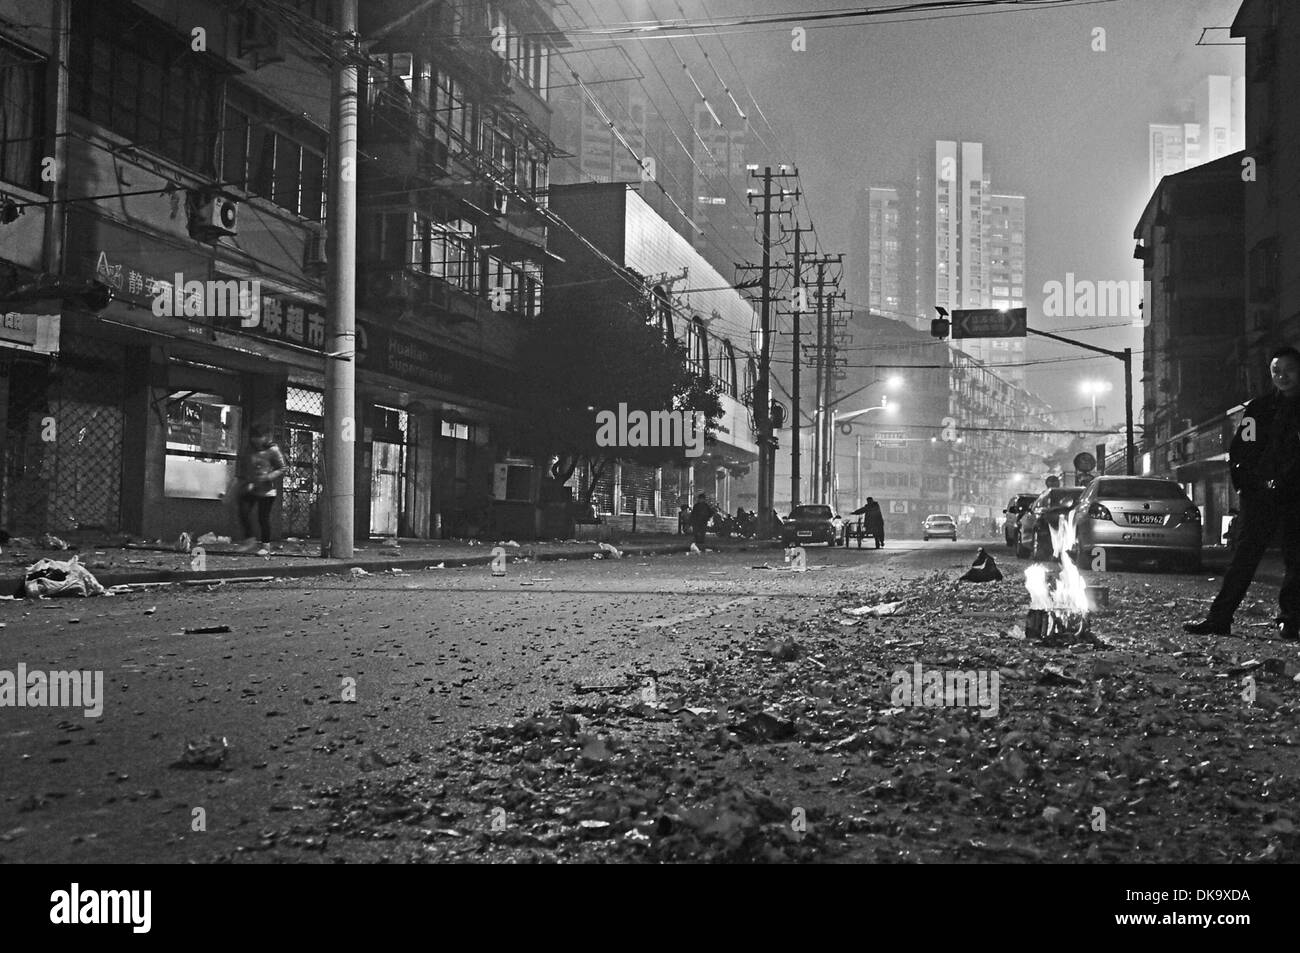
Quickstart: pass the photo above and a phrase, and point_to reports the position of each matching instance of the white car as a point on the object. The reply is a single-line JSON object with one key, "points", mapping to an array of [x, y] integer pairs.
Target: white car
{"points": [[939, 524]]}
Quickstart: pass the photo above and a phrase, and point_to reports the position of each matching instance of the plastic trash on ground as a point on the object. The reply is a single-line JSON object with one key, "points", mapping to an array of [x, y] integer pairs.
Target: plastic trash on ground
{"points": [[51, 577], [880, 609]]}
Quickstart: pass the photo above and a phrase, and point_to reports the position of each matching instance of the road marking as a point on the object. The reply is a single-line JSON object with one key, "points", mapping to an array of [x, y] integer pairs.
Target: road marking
{"points": [[699, 614]]}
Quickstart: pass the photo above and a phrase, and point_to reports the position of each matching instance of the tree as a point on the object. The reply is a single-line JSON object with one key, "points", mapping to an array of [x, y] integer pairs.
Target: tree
{"points": [[594, 348]]}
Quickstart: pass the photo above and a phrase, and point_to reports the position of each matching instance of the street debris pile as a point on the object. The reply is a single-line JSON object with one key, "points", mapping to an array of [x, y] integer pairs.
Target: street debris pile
{"points": [[52, 577], [836, 734]]}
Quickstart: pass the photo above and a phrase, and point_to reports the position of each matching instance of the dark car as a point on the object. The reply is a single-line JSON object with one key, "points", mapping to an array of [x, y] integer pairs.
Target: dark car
{"points": [[811, 523], [1015, 509], [1034, 537]]}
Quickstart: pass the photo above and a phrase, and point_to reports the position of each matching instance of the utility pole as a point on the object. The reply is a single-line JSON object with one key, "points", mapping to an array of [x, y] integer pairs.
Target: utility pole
{"points": [[762, 390], [800, 299], [825, 347], [338, 532], [819, 437]]}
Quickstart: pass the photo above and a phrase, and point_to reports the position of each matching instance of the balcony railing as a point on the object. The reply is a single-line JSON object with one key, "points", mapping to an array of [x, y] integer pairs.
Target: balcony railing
{"points": [[385, 288]]}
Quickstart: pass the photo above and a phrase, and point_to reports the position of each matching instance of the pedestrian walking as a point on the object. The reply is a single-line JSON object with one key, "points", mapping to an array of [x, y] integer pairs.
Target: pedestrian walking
{"points": [[701, 513], [683, 520], [1264, 462], [260, 467]]}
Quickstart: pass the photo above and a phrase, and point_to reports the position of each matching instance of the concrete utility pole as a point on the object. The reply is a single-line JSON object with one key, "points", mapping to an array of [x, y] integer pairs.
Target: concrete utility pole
{"points": [[341, 428], [800, 299], [823, 436], [763, 388]]}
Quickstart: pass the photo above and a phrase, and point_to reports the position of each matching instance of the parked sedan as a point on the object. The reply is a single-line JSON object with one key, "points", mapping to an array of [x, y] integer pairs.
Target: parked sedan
{"points": [[1016, 507], [1138, 517], [811, 523], [1034, 536], [939, 524]]}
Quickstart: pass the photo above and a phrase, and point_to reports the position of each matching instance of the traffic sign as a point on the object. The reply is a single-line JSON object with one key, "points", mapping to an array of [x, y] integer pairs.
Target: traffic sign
{"points": [[989, 323]]}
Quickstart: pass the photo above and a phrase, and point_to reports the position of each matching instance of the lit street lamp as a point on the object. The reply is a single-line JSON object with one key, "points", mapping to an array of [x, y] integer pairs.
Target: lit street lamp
{"points": [[842, 419], [1092, 389]]}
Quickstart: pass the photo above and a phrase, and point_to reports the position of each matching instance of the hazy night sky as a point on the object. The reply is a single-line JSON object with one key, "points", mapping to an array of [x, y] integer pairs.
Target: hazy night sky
{"points": [[1060, 123]]}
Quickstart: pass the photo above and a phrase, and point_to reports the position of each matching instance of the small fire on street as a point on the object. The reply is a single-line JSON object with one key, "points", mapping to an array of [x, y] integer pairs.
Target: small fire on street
{"points": [[1058, 594]]}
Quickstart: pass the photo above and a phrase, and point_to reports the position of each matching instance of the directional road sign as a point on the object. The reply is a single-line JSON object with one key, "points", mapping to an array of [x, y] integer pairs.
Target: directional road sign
{"points": [[988, 323]]}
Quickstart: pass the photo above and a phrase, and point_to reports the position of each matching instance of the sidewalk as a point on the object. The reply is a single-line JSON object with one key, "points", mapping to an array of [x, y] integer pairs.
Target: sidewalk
{"points": [[114, 564]]}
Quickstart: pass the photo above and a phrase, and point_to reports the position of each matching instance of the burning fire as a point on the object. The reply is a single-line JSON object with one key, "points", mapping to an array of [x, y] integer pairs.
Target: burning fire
{"points": [[1070, 592]]}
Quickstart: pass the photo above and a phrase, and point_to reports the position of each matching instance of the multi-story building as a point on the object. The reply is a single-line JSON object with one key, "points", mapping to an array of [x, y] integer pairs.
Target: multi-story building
{"points": [[1272, 205], [1213, 126], [1005, 244], [696, 307], [975, 255], [191, 151], [1219, 245], [878, 256], [452, 240]]}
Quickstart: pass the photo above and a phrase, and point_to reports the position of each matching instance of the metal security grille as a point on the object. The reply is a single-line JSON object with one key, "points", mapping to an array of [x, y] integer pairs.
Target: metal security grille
{"points": [[304, 440], [602, 497], [63, 449], [638, 489]]}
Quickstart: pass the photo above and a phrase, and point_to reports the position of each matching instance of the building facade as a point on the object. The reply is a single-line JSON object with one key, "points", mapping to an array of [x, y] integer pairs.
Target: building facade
{"points": [[699, 309], [193, 154], [1220, 245], [1213, 126]]}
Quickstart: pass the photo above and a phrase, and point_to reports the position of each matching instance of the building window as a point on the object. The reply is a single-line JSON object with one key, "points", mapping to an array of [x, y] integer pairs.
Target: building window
{"points": [[22, 98], [270, 154], [202, 445], [145, 83], [727, 368], [697, 347]]}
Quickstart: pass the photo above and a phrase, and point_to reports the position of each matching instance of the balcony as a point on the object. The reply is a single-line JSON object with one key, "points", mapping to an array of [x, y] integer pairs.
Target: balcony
{"points": [[405, 292]]}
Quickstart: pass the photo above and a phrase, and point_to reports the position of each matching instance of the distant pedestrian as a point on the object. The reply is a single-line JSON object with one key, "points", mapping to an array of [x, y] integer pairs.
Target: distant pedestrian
{"points": [[701, 513], [260, 467], [683, 520], [1265, 467]]}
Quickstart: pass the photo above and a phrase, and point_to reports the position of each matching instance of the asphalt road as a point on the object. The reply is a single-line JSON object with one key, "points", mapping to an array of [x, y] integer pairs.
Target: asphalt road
{"points": [[429, 653]]}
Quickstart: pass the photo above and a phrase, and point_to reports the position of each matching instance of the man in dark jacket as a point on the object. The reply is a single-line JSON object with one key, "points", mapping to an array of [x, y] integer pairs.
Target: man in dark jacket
{"points": [[700, 516], [1265, 467]]}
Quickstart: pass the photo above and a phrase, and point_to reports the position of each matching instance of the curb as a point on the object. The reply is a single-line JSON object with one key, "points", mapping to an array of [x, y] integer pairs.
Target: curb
{"points": [[111, 577]]}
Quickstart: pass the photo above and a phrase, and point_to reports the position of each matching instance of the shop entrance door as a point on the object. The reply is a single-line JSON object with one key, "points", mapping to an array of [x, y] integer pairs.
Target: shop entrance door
{"points": [[386, 487]]}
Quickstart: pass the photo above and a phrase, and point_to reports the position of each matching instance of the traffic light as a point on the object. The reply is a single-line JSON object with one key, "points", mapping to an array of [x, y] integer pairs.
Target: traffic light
{"points": [[940, 326], [777, 415]]}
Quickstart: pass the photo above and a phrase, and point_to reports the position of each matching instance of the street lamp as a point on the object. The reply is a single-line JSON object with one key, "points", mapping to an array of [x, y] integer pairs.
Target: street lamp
{"points": [[824, 431], [841, 421], [1092, 389]]}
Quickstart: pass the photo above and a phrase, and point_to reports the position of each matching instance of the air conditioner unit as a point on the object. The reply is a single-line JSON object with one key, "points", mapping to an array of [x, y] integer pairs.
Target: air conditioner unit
{"points": [[214, 216], [314, 259]]}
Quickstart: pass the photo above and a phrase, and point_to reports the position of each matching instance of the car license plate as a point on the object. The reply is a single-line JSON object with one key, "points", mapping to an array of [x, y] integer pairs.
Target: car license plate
{"points": [[1150, 519], [805, 532]]}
